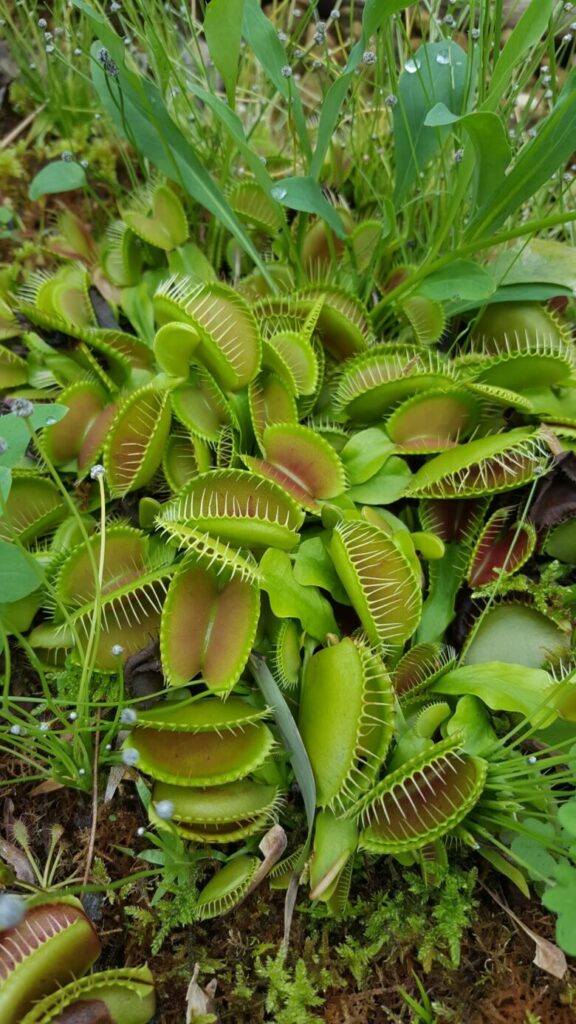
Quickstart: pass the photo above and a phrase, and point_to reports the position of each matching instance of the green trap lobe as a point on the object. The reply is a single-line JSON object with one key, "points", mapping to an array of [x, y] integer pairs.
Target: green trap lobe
{"points": [[420, 803], [202, 758]]}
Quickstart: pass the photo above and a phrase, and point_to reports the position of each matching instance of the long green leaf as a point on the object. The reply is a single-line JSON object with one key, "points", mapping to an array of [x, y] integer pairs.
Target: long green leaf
{"points": [[300, 762], [537, 162], [527, 32], [331, 106], [233, 125], [439, 607], [289, 734], [375, 14], [529, 292], [223, 31], [505, 868]]}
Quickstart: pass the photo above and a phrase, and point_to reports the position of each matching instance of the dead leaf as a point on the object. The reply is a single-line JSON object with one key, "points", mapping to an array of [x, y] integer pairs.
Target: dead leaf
{"points": [[143, 675], [117, 773], [272, 846], [200, 1001], [7, 813], [102, 310], [17, 860], [49, 786], [548, 956], [107, 290], [289, 904]]}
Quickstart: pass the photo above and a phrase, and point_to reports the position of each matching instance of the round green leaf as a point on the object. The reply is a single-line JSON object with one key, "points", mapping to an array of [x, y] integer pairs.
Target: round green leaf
{"points": [[59, 176]]}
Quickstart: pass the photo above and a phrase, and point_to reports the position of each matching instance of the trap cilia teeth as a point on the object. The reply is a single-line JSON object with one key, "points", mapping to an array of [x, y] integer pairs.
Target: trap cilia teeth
{"points": [[240, 431]]}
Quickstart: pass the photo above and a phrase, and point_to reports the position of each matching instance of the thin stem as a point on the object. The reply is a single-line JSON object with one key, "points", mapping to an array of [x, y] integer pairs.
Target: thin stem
{"points": [[94, 823]]}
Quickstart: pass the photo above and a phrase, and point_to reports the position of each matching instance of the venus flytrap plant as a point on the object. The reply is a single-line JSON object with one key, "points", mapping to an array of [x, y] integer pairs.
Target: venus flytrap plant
{"points": [[227, 520], [292, 470], [43, 955]]}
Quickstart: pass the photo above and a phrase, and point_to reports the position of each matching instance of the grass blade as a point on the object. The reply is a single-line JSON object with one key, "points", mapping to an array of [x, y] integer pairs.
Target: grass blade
{"points": [[527, 32], [261, 36], [289, 734]]}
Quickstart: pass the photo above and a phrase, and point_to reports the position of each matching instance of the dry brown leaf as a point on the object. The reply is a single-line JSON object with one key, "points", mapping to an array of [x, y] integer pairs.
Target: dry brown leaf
{"points": [[289, 904], [48, 786], [548, 956], [117, 773], [272, 846], [17, 860], [200, 1001]]}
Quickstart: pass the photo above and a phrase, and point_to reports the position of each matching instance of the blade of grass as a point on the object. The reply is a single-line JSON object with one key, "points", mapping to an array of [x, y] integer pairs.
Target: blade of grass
{"points": [[300, 762], [526, 34]]}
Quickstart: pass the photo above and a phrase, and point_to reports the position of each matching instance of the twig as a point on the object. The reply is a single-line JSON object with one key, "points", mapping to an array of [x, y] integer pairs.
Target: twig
{"points": [[549, 957], [93, 826], [8, 139]]}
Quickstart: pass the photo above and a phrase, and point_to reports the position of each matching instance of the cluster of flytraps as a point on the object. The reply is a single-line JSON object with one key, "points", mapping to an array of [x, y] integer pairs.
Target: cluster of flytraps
{"points": [[265, 438]]}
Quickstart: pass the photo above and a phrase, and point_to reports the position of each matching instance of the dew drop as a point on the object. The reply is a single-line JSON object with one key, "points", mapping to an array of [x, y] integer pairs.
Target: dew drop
{"points": [[412, 66], [165, 809], [278, 193], [12, 910], [443, 57]]}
